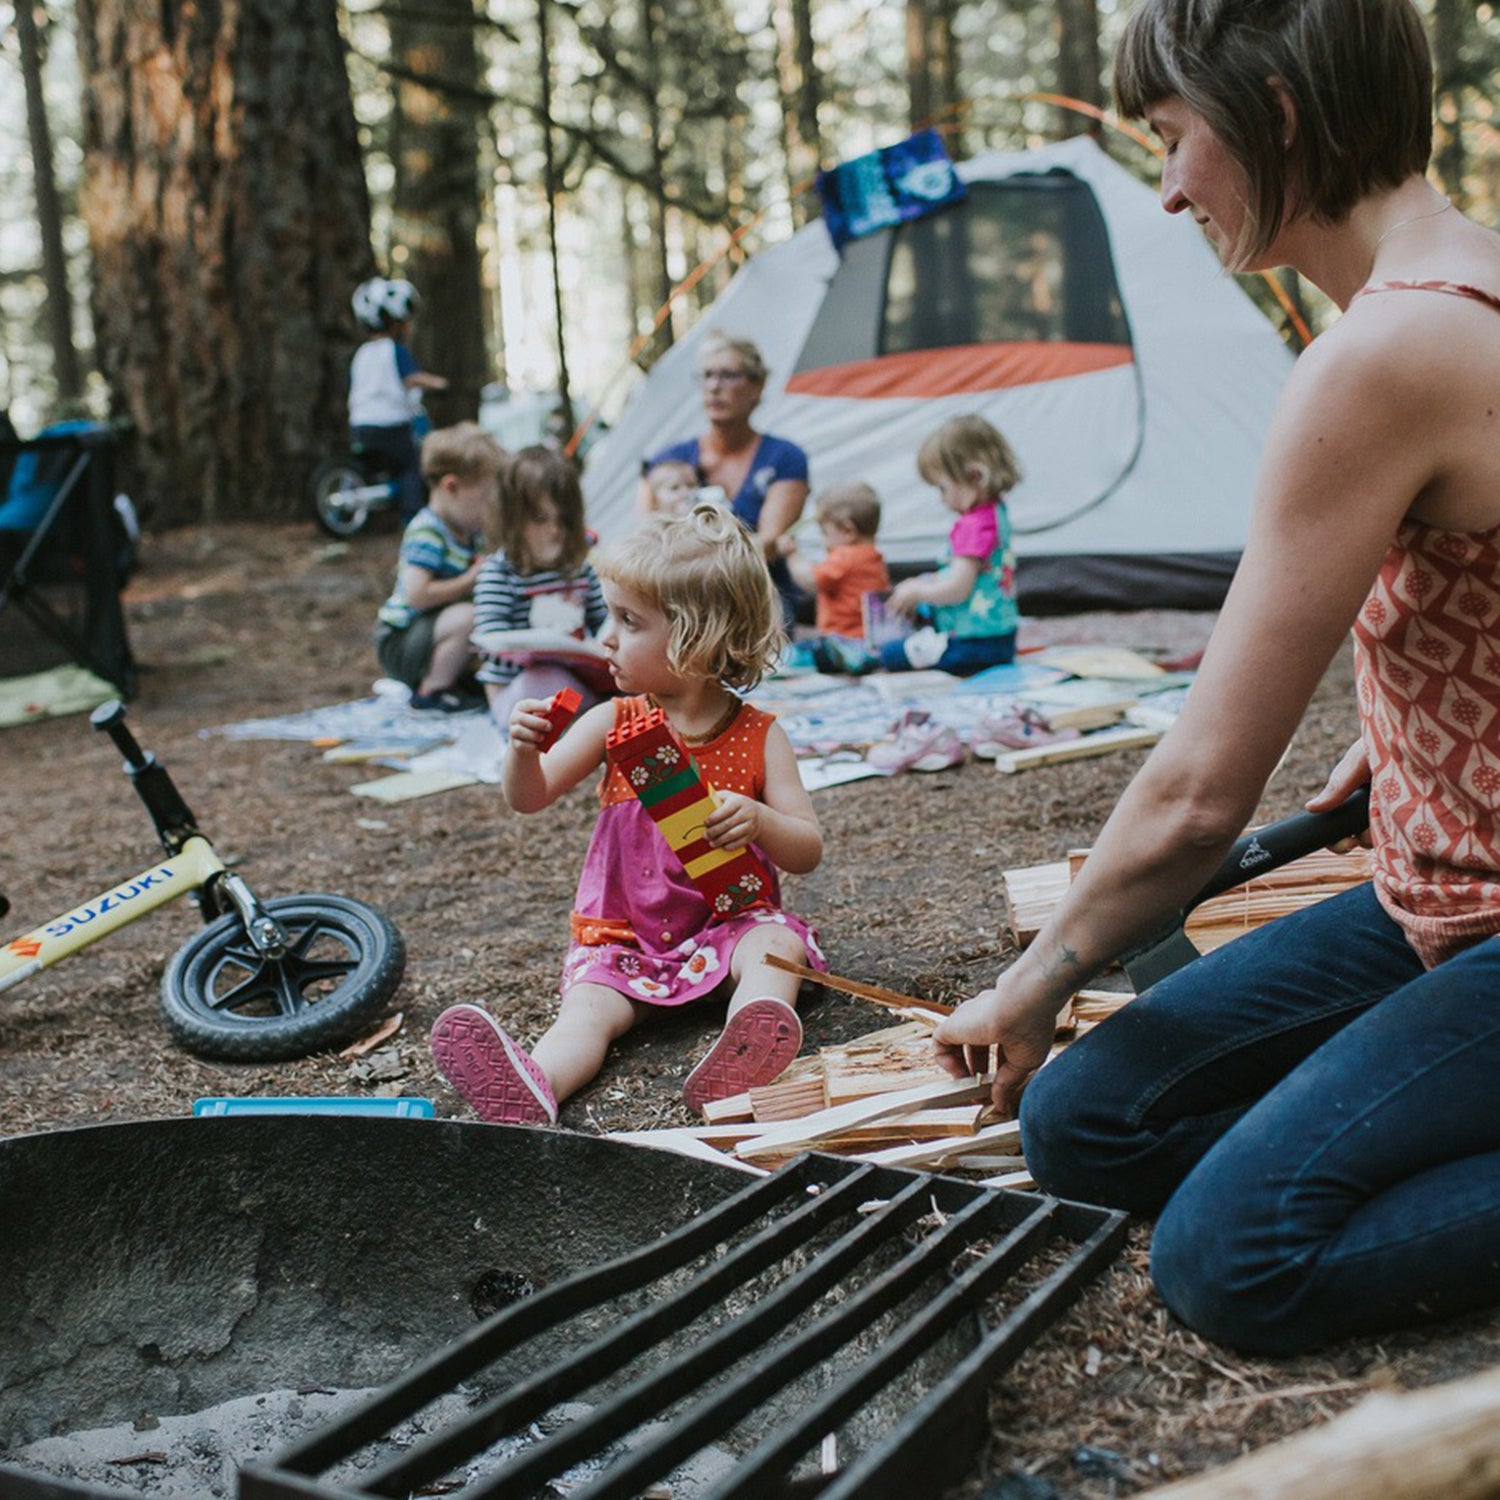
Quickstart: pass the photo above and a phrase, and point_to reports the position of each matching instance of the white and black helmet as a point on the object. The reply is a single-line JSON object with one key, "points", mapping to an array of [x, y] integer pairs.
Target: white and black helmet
{"points": [[378, 303]]}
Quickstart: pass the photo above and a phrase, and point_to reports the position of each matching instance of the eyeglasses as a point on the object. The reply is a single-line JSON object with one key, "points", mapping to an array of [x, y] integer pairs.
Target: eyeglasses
{"points": [[720, 377]]}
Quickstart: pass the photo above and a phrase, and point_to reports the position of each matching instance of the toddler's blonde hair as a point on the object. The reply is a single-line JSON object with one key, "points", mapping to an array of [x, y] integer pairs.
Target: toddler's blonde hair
{"points": [[855, 502], [965, 444], [707, 574], [464, 450]]}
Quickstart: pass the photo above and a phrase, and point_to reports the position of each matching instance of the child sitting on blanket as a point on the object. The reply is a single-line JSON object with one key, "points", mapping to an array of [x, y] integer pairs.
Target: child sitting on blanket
{"points": [[693, 617], [970, 601], [422, 632], [538, 578], [848, 515]]}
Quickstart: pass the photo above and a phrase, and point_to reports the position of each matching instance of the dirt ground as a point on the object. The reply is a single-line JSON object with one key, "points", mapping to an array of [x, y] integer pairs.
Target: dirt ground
{"points": [[234, 622]]}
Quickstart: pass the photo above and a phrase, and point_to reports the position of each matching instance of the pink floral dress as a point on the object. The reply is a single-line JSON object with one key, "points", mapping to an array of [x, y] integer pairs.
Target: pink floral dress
{"points": [[640, 925]]}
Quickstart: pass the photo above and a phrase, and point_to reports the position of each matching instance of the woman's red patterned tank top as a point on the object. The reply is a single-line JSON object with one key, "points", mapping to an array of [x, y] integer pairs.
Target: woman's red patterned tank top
{"points": [[1427, 662]]}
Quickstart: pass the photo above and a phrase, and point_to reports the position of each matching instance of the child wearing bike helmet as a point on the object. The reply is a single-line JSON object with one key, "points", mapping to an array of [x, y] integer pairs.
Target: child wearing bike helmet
{"points": [[386, 384]]}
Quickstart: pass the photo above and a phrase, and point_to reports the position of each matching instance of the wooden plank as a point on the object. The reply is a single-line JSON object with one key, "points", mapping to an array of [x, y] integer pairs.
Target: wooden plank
{"points": [[801, 1134], [934, 1153], [1102, 742]]}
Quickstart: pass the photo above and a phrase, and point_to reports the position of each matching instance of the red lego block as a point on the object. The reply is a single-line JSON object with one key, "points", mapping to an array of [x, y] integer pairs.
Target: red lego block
{"points": [[561, 710]]}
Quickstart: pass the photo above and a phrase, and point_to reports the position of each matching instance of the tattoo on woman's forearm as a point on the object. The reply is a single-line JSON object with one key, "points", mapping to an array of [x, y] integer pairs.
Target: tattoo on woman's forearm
{"points": [[1062, 963]]}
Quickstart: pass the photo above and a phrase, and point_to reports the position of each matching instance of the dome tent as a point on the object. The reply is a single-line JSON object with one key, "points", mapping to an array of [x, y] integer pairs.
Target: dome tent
{"points": [[1132, 375]]}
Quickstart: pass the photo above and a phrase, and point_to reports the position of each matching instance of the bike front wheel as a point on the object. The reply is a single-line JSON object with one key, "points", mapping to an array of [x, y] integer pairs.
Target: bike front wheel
{"points": [[224, 999], [341, 496]]}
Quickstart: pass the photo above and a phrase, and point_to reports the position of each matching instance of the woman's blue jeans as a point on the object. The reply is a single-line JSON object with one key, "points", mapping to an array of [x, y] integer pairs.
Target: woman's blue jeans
{"points": [[1314, 1117]]}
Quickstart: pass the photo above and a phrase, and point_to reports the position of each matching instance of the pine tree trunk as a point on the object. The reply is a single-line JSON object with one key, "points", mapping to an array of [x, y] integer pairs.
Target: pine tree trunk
{"points": [[1450, 19], [228, 221], [437, 203], [662, 289], [801, 93], [932, 69], [553, 188], [1077, 26], [65, 369]]}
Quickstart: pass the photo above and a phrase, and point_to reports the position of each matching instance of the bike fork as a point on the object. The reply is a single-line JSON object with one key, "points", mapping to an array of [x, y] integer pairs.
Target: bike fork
{"points": [[270, 939]]}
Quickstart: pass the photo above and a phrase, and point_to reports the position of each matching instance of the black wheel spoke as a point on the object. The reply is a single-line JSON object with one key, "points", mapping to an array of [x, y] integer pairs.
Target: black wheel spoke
{"points": [[224, 998]]}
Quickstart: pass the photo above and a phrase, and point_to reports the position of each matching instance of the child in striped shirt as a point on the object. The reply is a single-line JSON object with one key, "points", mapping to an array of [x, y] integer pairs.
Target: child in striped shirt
{"points": [[538, 578]]}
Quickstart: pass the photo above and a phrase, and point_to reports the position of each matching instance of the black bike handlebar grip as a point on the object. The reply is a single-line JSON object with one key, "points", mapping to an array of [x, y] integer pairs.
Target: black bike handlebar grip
{"points": [[110, 717], [1279, 843]]}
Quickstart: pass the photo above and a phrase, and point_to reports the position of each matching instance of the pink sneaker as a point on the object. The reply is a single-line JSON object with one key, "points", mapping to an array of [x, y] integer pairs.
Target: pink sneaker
{"points": [[491, 1070], [917, 743], [755, 1046], [1019, 729]]}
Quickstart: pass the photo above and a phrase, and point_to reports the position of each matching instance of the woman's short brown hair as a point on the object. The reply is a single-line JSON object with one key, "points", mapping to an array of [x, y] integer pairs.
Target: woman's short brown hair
{"points": [[535, 476], [1357, 73], [707, 574]]}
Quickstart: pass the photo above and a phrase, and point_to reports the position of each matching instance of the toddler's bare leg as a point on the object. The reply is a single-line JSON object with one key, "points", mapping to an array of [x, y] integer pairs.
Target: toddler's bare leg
{"points": [[591, 1017], [754, 977], [450, 648]]}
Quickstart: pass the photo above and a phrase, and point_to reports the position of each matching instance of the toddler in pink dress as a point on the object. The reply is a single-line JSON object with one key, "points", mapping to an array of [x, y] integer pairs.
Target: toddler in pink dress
{"points": [[693, 616]]}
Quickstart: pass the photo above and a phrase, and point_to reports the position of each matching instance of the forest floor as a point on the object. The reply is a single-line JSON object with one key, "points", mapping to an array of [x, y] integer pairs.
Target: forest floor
{"points": [[236, 622]]}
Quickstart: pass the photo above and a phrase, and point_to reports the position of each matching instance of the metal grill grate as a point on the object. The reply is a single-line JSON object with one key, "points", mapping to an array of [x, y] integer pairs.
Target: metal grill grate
{"points": [[789, 1312]]}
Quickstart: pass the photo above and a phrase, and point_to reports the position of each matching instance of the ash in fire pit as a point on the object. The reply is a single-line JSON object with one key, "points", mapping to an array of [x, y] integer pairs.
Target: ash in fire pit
{"points": [[198, 1457]]}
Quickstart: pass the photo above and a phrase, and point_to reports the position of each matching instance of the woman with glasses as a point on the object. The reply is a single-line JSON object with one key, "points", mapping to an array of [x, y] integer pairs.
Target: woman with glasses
{"points": [[763, 479]]}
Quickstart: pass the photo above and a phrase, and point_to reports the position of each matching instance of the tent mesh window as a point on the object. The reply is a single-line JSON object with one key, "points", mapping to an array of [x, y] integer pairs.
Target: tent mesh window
{"points": [[1025, 260]]}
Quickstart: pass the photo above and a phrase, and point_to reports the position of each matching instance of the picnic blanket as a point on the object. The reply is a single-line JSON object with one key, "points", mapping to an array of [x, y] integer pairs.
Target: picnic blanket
{"points": [[831, 721]]}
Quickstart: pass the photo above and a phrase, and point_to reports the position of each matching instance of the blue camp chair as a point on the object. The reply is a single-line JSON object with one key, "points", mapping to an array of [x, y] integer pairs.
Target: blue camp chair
{"points": [[64, 548]]}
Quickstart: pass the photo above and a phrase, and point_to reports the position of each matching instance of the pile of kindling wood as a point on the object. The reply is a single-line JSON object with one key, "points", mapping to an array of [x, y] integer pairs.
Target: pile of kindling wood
{"points": [[883, 1097]]}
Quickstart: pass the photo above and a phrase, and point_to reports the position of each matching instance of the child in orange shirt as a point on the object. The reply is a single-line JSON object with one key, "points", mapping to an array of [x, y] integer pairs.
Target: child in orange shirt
{"points": [[848, 515]]}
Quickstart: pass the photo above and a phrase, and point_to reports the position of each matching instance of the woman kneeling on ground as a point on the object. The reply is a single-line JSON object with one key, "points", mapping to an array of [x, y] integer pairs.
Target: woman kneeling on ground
{"points": [[1309, 1110]]}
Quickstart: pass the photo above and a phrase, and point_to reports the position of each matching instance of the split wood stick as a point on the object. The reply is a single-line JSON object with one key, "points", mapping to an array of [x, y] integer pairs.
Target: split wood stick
{"points": [[801, 1134], [728, 1110], [1101, 742], [891, 998], [686, 1144], [1020, 1179], [788, 1101], [844, 1088], [951, 1124], [1442, 1443], [933, 1153], [987, 1163], [884, 1040]]}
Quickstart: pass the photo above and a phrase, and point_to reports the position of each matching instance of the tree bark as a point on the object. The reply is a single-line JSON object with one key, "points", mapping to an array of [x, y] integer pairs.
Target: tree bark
{"points": [[1077, 28], [1450, 19], [65, 370], [801, 94], [656, 196], [553, 188], [932, 69], [438, 200], [228, 220]]}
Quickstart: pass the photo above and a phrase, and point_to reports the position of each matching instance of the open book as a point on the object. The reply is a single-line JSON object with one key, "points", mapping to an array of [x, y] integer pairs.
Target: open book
{"points": [[881, 625], [586, 659]]}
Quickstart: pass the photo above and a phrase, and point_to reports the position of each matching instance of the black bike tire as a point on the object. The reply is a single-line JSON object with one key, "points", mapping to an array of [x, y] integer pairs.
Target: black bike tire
{"points": [[378, 954], [324, 480]]}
